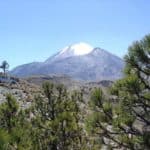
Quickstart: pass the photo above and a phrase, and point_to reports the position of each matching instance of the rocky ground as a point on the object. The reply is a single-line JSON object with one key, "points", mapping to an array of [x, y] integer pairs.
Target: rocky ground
{"points": [[24, 90]]}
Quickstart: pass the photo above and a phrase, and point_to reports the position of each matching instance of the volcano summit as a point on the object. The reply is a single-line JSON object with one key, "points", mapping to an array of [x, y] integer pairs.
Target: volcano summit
{"points": [[80, 61]]}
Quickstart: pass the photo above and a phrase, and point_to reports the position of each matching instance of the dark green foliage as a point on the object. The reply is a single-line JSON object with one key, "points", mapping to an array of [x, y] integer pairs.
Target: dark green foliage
{"points": [[57, 119], [51, 123], [125, 122], [133, 92], [15, 129], [8, 113], [4, 139]]}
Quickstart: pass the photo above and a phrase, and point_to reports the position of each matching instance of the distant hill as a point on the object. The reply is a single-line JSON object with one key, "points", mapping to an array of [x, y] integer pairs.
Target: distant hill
{"points": [[79, 61], [68, 82]]}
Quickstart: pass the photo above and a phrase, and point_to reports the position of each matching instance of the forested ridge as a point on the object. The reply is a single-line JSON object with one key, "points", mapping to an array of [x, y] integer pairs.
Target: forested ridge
{"points": [[59, 119]]}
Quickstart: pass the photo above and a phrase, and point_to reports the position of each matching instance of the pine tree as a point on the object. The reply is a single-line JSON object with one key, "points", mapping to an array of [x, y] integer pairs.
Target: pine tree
{"points": [[14, 127], [4, 66], [124, 120], [8, 113], [133, 93], [56, 123]]}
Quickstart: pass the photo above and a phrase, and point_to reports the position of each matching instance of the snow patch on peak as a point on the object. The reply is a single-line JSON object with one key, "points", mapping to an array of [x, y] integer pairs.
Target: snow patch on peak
{"points": [[78, 49], [71, 51], [81, 48]]}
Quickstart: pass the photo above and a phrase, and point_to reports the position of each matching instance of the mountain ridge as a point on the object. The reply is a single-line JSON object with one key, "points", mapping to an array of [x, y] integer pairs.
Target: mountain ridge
{"points": [[91, 64]]}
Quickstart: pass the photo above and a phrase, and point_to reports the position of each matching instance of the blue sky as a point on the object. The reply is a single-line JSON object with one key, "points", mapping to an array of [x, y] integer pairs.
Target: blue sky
{"points": [[33, 30]]}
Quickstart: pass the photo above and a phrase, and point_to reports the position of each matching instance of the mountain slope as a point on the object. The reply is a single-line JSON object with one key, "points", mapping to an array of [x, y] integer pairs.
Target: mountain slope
{"points": [[26, 69], [79, 61]]}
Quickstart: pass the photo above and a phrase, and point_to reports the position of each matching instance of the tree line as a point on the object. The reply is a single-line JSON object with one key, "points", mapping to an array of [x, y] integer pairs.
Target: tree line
{"points": [[57, 120]]}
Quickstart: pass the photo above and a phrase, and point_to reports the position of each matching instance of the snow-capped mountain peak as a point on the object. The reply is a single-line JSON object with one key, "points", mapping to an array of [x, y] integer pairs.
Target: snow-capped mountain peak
{"points": [[80, 61], [77, 49]]}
